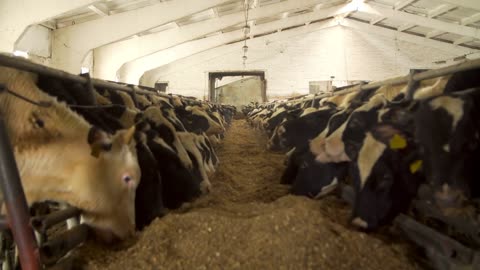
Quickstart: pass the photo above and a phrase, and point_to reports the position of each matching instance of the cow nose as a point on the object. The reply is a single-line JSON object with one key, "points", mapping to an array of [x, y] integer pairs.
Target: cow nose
{"points": [[105, 236], [360, 223], [448, 197]]}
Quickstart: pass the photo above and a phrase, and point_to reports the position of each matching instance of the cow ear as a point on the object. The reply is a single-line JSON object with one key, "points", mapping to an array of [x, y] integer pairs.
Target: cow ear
{"points": [[127, 135], [99, 141], [394, 138]]}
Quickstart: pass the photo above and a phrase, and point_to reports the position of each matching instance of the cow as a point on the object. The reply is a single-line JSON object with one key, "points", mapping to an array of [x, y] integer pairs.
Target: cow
{"points": [[448, 133], [297, 132], [309, 177], [99, 173], [386, 175], [397, 154]]}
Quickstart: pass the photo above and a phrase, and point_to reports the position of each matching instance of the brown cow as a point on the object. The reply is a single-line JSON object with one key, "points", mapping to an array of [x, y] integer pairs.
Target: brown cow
{"points": [[63, 158]]}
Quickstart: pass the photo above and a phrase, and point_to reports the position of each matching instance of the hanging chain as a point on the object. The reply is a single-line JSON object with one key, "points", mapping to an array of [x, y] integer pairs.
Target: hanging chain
{"points": [[246, 31]]}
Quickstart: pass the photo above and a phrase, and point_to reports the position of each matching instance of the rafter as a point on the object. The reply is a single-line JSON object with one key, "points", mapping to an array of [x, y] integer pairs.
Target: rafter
{"points": [[17, 16], [442, 9], [463, 40], [404, 36], [129, 50], [49, 24], [405, 27], [471, 4], [150, 76], [99, 9], [422, 21], [402, 4], [133, 70], [70, 46], [472, 19], [377, 19], [434, 33]]}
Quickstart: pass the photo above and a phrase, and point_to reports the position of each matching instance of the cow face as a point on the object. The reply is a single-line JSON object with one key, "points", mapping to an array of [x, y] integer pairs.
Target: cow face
{"points": [[109, 191], [351, 133], [298, 132], [315, 179], [386, 176], [447, 128], [336, 125], [278, 141]]}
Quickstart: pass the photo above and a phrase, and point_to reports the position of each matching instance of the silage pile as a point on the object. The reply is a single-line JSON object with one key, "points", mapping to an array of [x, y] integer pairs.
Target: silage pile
{"points": [[249, 221]]}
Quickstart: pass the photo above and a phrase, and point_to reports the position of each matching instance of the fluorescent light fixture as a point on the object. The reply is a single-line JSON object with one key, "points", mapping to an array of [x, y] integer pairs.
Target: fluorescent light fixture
{"points": [[20, 54], [84, 70], [339, 19], [356, 4]]}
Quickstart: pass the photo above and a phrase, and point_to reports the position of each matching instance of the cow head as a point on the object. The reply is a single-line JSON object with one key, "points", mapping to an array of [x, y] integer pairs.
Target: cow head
{"points": [[386, 175], [105, 185], [281, 138], [447, 128]]}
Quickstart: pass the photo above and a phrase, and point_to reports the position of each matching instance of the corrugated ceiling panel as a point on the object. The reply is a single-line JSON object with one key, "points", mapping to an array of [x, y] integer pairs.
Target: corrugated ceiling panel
{"points": [[420, 30]]}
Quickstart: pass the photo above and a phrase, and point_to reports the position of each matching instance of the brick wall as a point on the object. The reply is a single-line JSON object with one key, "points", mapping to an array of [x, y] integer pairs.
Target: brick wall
{"points": [[290, 64]]}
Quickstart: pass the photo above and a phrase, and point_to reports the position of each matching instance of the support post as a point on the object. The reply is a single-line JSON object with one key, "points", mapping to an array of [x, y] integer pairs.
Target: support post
{"points": [[16, 204]]}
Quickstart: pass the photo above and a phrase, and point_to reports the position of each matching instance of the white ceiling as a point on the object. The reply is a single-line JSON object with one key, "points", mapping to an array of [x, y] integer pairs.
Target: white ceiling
{"points": [[453, 12]]}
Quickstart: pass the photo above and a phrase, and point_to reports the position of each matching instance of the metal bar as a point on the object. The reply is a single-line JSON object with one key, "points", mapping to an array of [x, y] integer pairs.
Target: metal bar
{"points": [[43, 223], [429, 74], [429, 238], [16, 204], [412, 85], [57, 247], [3, 223], [23, 64], [464, 226]]}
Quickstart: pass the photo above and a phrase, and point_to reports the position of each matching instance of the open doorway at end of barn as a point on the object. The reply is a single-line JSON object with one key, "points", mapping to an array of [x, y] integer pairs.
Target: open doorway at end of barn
{"points": [[237, 88]]}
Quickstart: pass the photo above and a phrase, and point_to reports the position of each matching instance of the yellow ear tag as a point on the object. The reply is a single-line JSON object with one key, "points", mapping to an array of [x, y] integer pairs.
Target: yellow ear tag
{"points": [[416, 166], [397, 142]]}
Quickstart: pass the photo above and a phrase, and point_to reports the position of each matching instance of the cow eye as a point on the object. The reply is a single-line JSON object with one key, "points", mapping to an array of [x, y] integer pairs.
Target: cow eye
{"points": [[127, 178]]}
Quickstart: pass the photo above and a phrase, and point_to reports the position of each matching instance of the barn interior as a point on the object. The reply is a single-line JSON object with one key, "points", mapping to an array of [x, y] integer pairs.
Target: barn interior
{"points": [[240, 134]]}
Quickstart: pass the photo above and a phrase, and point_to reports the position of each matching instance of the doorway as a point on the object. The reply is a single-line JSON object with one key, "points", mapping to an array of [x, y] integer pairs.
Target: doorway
{"points": [[252, 87]]}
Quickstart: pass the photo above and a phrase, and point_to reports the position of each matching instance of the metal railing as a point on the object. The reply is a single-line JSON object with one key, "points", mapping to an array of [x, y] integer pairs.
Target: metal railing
{"points": [[410, 78]]}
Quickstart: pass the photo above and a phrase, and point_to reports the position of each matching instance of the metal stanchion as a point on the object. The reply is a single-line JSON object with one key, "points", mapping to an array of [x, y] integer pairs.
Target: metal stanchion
{"points": [[15, 201]]}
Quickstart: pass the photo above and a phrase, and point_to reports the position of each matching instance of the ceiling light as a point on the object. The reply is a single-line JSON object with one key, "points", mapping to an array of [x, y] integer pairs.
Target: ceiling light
{"points": [[21, 54], [356, 4], [84, 70]]}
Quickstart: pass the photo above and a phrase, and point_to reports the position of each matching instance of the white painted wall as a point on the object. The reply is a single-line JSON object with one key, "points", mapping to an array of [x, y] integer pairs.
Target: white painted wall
{"points": [[16, 15], [347, 54], [35, 40], [71, 44]]}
